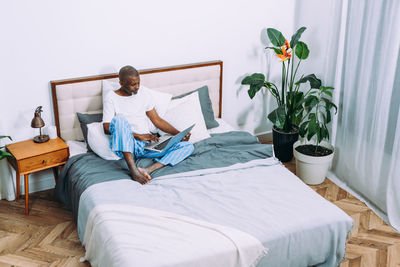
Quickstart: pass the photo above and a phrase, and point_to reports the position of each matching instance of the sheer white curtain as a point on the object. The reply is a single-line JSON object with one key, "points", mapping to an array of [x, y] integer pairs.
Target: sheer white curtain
{"points": [[366, 133]]}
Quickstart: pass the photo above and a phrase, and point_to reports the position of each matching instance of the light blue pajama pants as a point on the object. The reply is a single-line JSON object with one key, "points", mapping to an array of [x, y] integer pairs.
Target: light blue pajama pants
{"points": [[122, 140]]}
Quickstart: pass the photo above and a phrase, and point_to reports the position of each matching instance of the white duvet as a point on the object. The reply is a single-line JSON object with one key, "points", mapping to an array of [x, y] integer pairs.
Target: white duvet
{"points": [[260, 200], [126, 235]]}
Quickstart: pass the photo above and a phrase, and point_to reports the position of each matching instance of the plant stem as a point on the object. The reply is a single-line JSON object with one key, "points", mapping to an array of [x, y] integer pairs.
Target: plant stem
{"points": [[287, 76], [277, 94], [307, 92], [278, 100], [283, 83], [298, 85], [304, 117], [295, 72], [291, 77], [317, 118]]}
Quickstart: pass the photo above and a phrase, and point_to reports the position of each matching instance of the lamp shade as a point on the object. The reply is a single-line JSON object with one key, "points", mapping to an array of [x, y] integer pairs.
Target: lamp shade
{"points": [[37, 122]]}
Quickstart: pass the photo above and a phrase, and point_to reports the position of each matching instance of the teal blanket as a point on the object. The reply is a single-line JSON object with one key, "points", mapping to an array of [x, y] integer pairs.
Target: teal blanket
{"points": [[221, 150]]}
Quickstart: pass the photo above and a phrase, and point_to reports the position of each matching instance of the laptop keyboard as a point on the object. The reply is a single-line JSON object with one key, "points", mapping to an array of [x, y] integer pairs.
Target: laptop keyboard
{"points": [[163, 144]]}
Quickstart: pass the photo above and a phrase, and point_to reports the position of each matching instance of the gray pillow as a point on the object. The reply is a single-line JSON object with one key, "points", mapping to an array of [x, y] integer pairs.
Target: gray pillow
{"points": [[206, 106], [86, 119]]}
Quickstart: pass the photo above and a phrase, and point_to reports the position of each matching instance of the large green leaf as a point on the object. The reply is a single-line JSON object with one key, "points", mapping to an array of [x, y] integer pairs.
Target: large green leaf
{"points": [[319, 134], [273, 90], [4, 154], [297, 98], [310, 102], [254, 88], [312, 128], [303, 128], [277, 50], [302, 51], [295, 108], [314, 81], [299, 104], [326, 132], [254, 78], [327, 90], [276, 37], [296, 37], [312, 116], [329, 104], [328, 115], [278, 117], [256, 82], [293, 98]]}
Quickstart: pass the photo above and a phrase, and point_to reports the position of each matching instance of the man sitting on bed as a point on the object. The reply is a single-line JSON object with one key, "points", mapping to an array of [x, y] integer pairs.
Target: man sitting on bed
{"points": [[124, 117]]}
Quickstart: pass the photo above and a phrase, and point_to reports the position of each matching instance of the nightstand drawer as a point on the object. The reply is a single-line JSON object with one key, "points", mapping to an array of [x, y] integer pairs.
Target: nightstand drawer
{"points": [[43, 161]]}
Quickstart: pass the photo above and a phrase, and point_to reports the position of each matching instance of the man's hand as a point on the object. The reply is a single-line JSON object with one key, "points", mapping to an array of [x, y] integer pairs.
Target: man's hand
{"points": [[187, 137], [147, 137]]}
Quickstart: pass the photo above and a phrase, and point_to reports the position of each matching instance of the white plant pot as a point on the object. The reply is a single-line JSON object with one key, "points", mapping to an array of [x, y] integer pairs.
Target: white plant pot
{"points": [[312, 170]]}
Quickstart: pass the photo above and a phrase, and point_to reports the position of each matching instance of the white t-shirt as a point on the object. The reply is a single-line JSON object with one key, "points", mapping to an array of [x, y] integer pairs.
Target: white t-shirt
{"points": [[133, 108]]}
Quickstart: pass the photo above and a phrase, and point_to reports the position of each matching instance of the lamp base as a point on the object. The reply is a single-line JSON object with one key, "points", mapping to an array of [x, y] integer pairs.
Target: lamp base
{"points": [[41, 138]]}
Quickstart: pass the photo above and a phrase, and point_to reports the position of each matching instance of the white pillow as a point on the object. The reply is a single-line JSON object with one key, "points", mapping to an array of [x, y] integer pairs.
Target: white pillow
{"points": [[222, 128], [184, 112], [76, 147], [161, 100], [99, 142], [108, 86]]}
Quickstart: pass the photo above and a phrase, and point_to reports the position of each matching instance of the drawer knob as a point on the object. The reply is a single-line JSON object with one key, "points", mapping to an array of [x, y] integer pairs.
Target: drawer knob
{"points": [[44, 161]]}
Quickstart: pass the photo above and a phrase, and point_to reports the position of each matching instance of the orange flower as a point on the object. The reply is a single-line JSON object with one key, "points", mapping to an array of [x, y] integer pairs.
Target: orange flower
{"points": [[286, 52], [287, 44]]}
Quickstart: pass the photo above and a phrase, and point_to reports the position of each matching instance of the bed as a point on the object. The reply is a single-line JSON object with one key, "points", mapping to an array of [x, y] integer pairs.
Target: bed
{"points": [[230, 204]]}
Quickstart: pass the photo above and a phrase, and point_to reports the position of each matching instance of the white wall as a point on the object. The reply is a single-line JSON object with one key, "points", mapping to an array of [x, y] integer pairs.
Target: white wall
{"points": [[50, 40]]}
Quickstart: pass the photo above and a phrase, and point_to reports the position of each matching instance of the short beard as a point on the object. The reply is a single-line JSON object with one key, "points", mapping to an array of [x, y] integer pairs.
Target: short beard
{"points": [[126, 91]]}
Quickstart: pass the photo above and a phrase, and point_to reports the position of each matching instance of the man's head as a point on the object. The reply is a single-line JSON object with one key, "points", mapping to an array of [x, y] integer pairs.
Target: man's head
{"points": [[129, 80]]}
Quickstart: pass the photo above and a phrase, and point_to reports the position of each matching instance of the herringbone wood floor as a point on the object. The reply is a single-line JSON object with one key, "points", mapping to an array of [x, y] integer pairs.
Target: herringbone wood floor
{"points": [[48, 236], [372, 242]]}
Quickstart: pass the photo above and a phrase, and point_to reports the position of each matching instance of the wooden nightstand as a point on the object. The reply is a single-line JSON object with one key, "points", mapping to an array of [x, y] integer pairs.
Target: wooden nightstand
{"points": [[32, 157]]}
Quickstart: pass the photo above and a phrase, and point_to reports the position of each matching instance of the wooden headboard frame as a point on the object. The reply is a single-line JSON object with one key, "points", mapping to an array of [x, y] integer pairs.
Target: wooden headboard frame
{"points": [[55, 84]]}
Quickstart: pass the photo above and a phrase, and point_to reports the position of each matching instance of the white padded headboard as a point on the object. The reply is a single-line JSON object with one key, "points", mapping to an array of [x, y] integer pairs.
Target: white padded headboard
{"points": [[84, 95]]}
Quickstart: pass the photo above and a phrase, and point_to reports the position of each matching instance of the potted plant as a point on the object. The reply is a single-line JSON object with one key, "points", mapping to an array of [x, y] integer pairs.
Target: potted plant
{"points": [[3, 153], [289, 98], [313, 153]]}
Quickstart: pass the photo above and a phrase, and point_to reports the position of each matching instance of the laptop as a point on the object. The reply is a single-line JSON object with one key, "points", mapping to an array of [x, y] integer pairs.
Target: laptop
{"points": [[166, 141]]}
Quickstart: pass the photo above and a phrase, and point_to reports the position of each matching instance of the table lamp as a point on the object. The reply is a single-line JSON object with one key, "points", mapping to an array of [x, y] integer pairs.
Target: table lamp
{"points": [[37, 122]]}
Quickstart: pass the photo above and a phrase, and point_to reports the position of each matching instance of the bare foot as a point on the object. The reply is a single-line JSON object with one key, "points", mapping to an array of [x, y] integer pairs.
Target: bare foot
{"points": [[141, 176], [144, 173]]}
